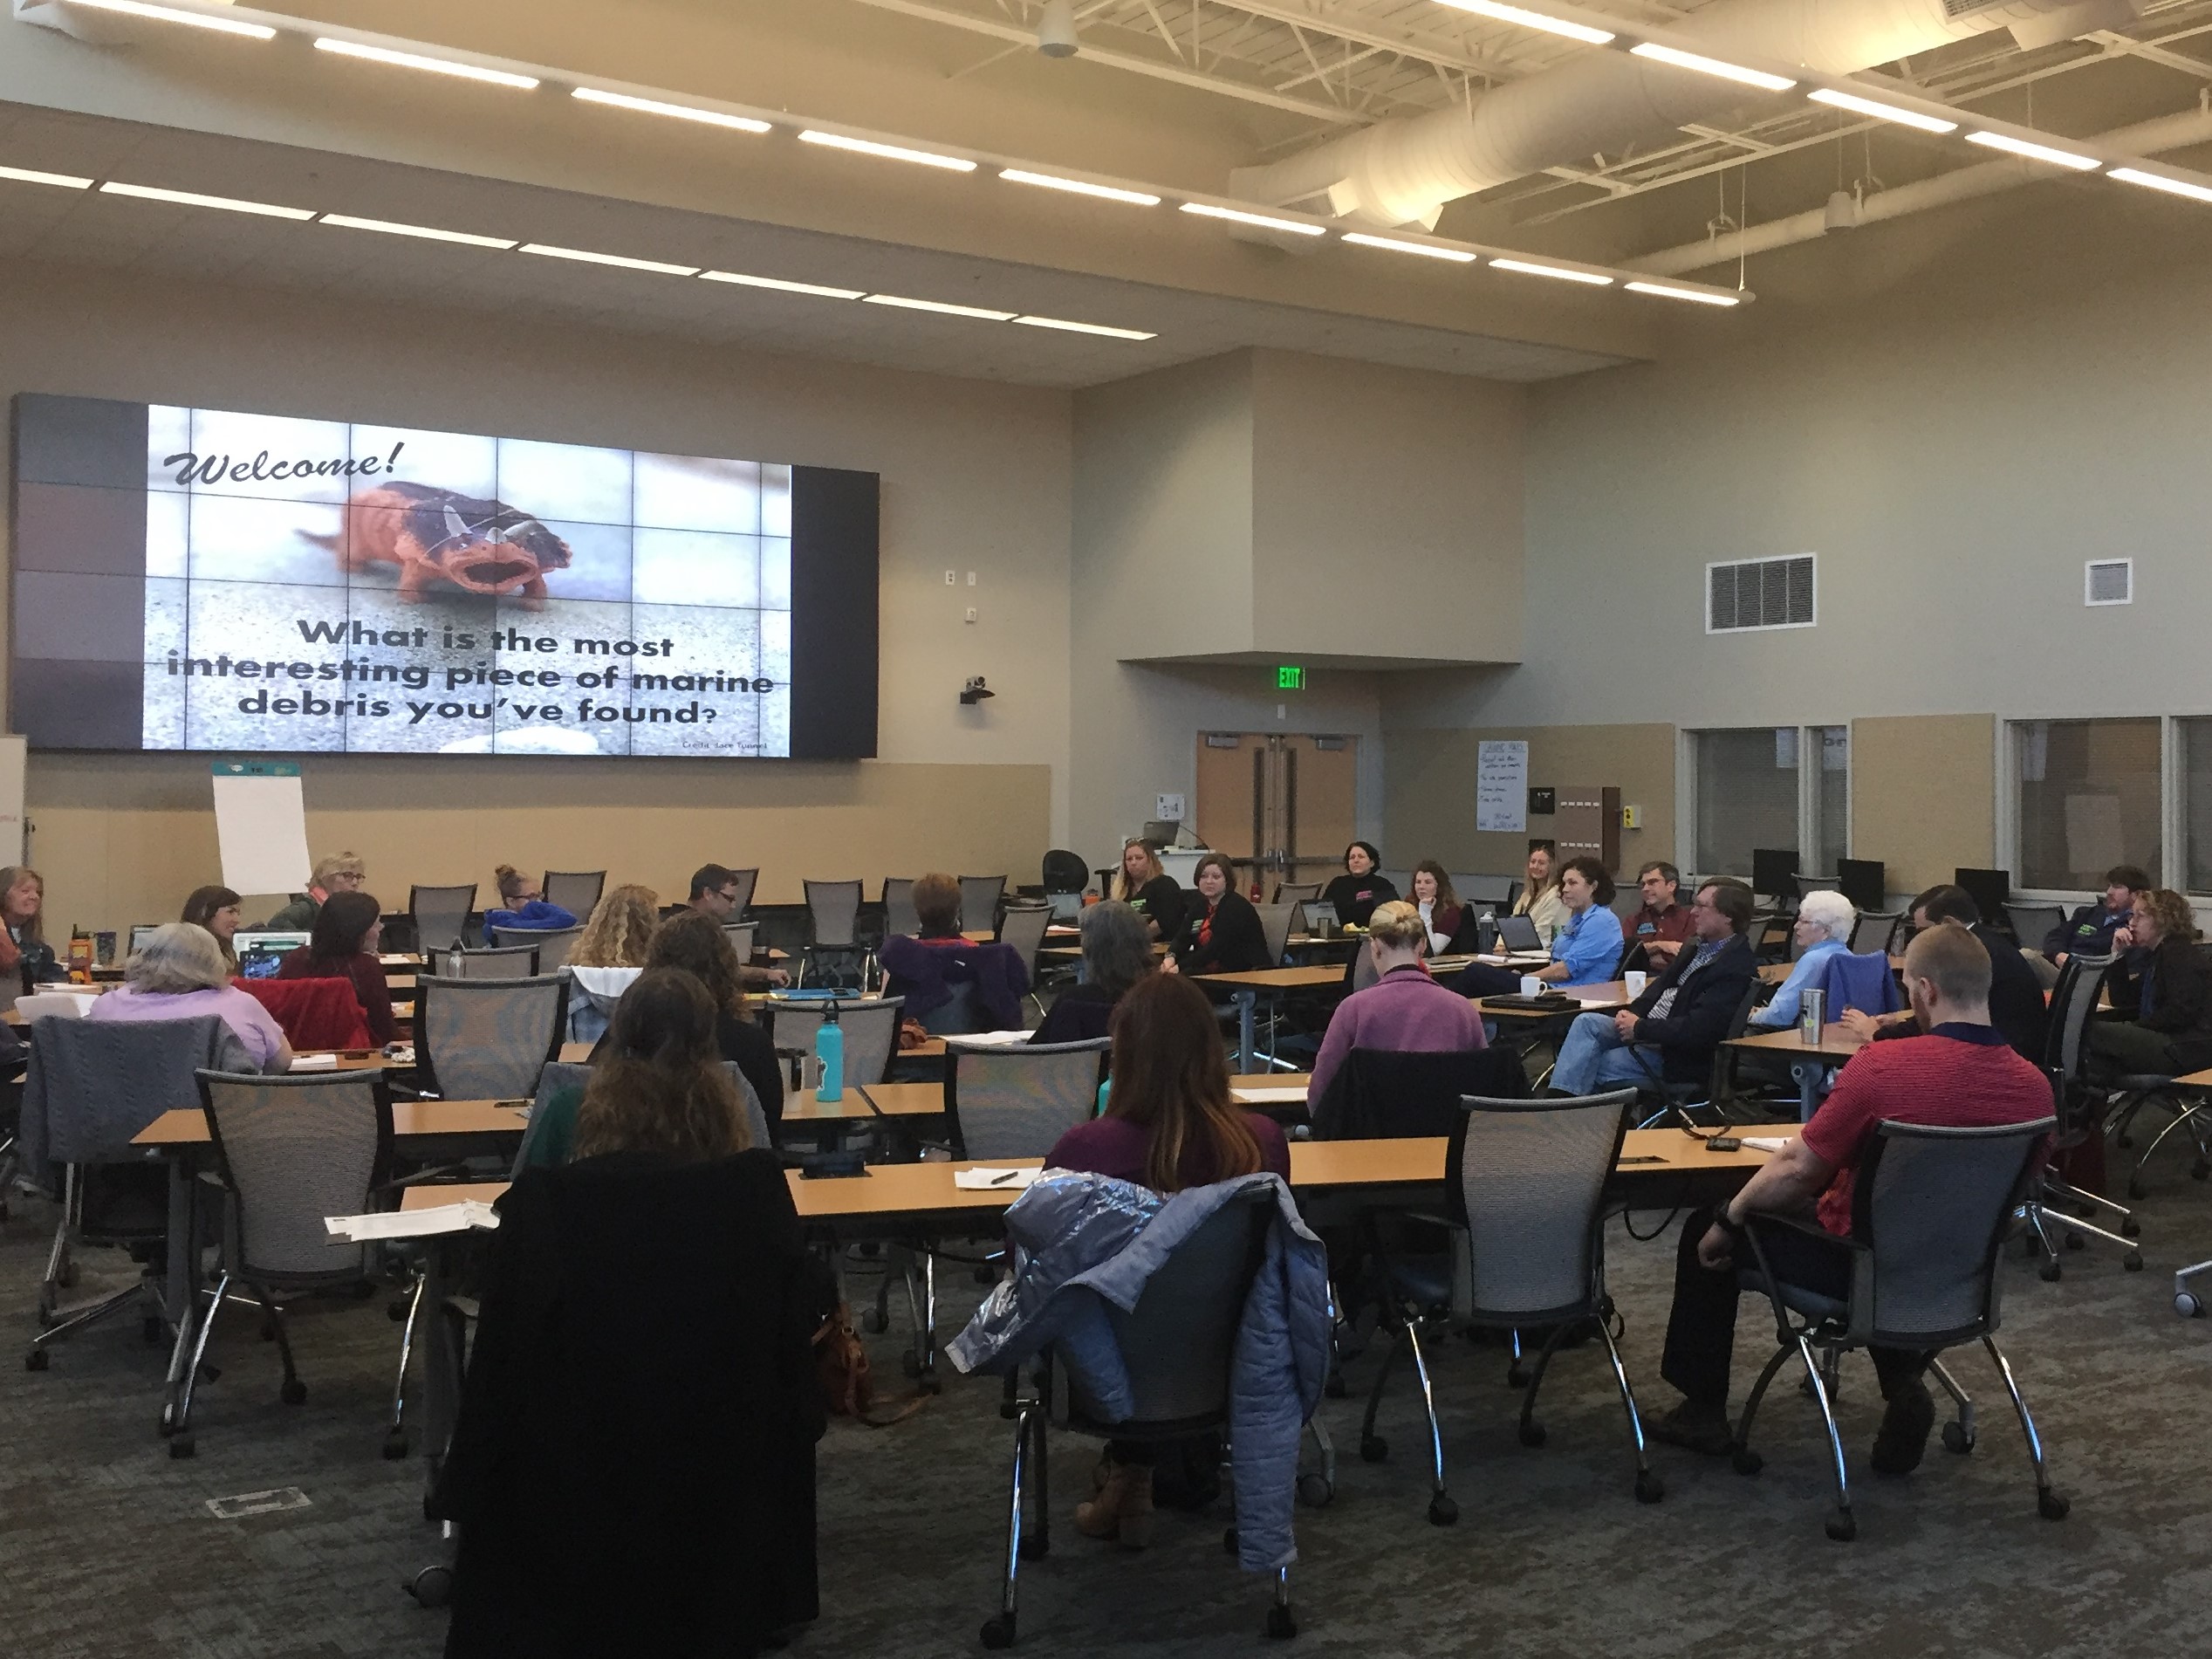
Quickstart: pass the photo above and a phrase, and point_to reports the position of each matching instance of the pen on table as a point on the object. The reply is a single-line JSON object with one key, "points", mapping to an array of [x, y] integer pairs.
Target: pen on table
{"points": [[1011, 1175]]}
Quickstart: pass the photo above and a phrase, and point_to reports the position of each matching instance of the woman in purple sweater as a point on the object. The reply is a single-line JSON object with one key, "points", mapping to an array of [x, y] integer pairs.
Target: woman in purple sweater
{"points": [[1405, 1012]]}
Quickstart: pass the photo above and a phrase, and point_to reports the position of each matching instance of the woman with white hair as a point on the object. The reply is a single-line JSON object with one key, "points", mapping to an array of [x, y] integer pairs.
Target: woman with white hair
{"points": [[179, 973], [1824, 921]]}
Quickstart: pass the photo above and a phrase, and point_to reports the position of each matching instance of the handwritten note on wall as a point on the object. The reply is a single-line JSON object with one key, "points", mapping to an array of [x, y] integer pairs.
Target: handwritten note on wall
{"points": [[1501, 786]]}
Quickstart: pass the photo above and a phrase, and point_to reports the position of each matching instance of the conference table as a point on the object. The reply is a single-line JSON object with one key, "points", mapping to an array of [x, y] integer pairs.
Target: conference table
{"points": [[1810, 1063], [1246, 989]]}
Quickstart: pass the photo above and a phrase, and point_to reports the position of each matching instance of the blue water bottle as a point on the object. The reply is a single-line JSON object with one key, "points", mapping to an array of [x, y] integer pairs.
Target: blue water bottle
{"points": [[829, 1053]]}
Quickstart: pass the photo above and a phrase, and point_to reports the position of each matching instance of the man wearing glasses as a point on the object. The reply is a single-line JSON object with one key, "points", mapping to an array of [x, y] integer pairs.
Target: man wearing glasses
{"points": [[713, 892]]}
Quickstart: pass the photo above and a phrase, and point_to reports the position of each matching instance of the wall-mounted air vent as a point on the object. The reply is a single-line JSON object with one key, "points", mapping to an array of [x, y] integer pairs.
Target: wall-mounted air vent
{"points": [[1759, 593], [2108, 581]]}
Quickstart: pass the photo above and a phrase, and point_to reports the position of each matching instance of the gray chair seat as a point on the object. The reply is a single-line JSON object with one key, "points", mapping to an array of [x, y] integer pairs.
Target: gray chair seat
{"points": [[1426, 1280]]}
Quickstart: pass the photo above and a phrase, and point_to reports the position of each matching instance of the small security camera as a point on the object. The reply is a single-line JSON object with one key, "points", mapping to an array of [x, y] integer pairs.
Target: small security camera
{"points": [[975, 691]]}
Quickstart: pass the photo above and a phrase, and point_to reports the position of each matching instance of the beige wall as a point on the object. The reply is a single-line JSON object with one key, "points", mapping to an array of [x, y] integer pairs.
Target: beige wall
{"points": [[1921, 828], [1430, 791], [976, 476]]}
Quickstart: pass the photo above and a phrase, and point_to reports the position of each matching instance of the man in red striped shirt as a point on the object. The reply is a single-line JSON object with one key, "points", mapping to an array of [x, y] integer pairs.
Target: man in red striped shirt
{"points": [[1959, 1072]]}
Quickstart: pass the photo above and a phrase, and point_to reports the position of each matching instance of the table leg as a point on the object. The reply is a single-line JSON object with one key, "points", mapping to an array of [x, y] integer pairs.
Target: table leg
{"points": [[441, 1364], [1246, 999], [1808, 1075], [177, 1298]]}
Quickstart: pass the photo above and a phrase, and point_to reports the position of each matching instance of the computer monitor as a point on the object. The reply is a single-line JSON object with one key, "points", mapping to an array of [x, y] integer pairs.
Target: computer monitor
{"points": [[1863, 882], [1772, 869], [1162, 832], [1314, 916], [258, 953], [1988, 888], [140, 934]]}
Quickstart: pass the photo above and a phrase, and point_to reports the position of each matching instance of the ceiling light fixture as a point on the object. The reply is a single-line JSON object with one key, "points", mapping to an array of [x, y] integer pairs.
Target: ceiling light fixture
{"points": [[2160, 181], [428, 233], [1085, 328], [977, 311], [1561, 271], [192, 199], [680, 112], [1580, 31], [1207, 209], [585, 256], [1880, 112], [416, 60], [190, 20], [814, 288], [2012, 146], [1457, 256], [1104, 192], [31, 176], [1757, 78], [889, 152], [1702, 296]]}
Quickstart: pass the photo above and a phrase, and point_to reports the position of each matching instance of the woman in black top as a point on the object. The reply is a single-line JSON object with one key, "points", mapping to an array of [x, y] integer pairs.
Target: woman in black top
{"points": [[1362, 887], [2163, 990], [695, 943], [1116, 954], [1224, 936], [1150, 891]]}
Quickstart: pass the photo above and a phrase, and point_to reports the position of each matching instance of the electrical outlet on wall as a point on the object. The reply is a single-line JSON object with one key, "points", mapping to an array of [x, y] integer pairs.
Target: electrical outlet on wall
{"points": [[971, 613], [971, 579], [952, 578]]}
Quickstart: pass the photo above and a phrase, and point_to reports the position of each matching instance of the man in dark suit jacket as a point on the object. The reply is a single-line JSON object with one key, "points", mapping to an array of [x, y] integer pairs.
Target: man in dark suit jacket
{"points": [[2016, 1006], [1671, 1031]]}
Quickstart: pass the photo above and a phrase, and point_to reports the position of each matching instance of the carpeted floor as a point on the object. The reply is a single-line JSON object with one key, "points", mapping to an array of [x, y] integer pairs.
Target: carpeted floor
{"points": [[110, 1549]]}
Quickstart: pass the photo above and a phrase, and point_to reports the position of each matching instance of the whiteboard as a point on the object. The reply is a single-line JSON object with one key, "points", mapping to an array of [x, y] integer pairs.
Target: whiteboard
{"points": [[1502, 785], [261, 827]]}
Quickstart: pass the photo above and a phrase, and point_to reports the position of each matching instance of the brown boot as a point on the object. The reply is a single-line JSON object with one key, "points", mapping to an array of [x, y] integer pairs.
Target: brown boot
{"points": [[1123, 1508]]}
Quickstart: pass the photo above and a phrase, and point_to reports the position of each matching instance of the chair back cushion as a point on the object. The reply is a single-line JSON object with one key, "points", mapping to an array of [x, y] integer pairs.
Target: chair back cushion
{"points": [[487, 1039], [1015, 1102], [1531, 1177], [293, 1150], [1935, 1202]]}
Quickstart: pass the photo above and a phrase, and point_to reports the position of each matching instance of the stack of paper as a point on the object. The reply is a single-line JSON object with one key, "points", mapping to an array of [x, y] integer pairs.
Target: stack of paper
{"points": [[314, 1062], [413, 1224], [1269, 1094], [1766, 1142], [987, 1040]]}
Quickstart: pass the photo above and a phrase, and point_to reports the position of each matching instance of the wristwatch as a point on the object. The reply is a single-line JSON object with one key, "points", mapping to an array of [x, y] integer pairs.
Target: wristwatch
{"points": [[1721, 1220]]}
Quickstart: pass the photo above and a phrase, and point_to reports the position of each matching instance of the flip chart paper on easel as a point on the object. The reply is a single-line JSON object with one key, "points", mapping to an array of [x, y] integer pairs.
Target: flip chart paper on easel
{"points": [[261, 825]]}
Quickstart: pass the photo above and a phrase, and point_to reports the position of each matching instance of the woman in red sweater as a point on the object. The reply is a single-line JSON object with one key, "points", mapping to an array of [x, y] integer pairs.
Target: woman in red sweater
{"points": [[343, 946]]}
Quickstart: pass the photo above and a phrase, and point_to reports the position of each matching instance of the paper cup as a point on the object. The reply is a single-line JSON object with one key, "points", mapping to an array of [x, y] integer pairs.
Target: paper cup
{"points": [[1635, 981], [1531, 987]]}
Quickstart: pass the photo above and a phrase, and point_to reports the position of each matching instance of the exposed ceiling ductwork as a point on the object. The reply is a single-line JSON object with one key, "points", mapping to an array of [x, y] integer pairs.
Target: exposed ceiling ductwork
{"points": [[1403, 172]]}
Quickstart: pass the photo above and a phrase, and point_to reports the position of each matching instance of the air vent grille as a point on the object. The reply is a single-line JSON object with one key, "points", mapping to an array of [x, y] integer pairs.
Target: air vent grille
{"points": [[1759, 593], [2108, 581]]}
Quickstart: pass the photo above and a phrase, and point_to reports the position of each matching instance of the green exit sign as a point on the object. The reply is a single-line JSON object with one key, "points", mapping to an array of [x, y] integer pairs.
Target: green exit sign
{"points": [[1289, 677]]}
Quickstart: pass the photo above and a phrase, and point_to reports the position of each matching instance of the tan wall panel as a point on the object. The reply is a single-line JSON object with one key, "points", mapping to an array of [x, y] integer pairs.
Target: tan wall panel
{"points": [[1428, 791], [122, 839], [1923, 795]]}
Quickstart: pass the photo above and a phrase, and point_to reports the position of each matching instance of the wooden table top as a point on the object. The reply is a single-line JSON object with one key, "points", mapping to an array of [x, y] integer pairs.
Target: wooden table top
{"points": [[189, 1127], [928, 1100], [1836, 1042], [1277, 978], [1605, 999]]}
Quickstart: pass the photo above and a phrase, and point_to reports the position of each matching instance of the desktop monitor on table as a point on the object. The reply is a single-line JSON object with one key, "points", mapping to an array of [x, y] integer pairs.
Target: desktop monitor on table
{"points": [[1863, 882], [1988, 888], [1774, 870]]}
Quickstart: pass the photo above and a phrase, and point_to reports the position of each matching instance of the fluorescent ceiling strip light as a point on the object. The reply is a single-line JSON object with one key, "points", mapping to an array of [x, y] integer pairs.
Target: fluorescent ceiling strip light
{"points": [[1206, 209], [1881, 111], [680, 112], [2012, 146], [191, 199], [1701, 295], [2159, 181], [1105, 192], [1085, 328], [428, 233], [1757, 78], [190, 20], [781, 286], [977, 311], [1580, 31], [1457, 256], [628, 263], [889, 152], [31, 176], [415, 60], [1560, 271]]}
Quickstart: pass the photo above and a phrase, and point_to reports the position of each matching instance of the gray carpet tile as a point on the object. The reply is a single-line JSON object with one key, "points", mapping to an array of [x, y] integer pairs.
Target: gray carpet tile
{"points": [[110, 1551]]}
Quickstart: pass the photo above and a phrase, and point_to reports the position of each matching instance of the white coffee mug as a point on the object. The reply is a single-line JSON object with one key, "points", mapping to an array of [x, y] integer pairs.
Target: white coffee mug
{"points": [[1531, 987], [1635, 980]]}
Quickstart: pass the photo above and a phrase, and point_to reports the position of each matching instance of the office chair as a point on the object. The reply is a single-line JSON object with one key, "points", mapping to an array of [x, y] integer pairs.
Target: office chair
{"points": [[745, 881], [487, 1039], [1021, 927], [517, 961], [2032, 924], [898, 906], [835, 910], [2055, 1206], [979, 900], [552, 944], [1875, 930], [575, 891], [440, 914]]}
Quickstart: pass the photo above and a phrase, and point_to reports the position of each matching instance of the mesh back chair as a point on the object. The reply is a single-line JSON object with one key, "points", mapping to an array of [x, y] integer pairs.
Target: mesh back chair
{"points": [[1930, 1210], [1808, 884], [291, 1150], [440, 914], [2032, 924], [2057, 1212], [744, 881], [552, 944], [1015, 1102], [493, 962], [834, 908], [1296, 891], [980, 896], [575, 891], [898, 906], [1179, 1344], [1526, 1183], [740, 935], [1274, 929], [1875, 930], [1022, 926], [487, 1040], [871, 1027], [1718, 1090]]}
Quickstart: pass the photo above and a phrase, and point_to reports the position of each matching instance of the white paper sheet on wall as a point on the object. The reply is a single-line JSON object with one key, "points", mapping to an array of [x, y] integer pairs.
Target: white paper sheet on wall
{"points": [[261, 825], [1501, 786]]}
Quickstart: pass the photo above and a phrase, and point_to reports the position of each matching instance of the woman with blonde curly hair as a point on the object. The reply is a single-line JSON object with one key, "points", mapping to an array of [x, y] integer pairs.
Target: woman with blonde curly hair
{"points": [[2161, 984], [620, 930]]}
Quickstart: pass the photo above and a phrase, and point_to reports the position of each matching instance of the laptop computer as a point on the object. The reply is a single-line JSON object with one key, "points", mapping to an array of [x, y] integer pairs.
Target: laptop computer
{"points": [[1320, 916], [1516, 936], [258, 953], [140, 934]]}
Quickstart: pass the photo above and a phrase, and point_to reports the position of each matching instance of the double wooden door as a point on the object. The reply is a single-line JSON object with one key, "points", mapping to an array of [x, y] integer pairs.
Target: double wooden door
{"points": [[1282, 806]]}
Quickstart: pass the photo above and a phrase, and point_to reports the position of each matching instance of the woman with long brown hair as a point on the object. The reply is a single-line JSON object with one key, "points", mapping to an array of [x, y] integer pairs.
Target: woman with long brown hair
{"points": [[659, 1085], [24, 949], [698, 944]]}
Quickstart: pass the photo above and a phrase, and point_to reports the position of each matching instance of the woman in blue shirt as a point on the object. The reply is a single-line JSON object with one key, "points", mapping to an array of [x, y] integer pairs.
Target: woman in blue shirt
{"points": [[1823, 927], [1587, 948]]}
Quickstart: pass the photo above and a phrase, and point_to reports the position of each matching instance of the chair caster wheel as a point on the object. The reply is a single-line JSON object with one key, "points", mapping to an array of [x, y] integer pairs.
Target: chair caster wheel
{"points": [[181, 1445], [293, 1392], [2052, 1505], [1843, 1528], [1746, 1461], [1441, 1511], [151, 1331], [395, 1446], [2050, 1272], [1334, 1387], [2075, 1241], [1280, 1625], [2132, 1262], [998, 1630], [1516, 1376], [874, 1322], [1957, 1439], [2131, 1228], [1532, 1434], [396, 1310], [2187, 1305], [1228, 1540], [910, 1363], [1315, 1490], [1373, 1449], [431, 1588], [1649, 1487], [37, 1359]]}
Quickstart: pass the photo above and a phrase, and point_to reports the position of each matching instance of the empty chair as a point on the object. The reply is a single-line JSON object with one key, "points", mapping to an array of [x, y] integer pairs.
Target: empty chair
{"points": [[552, 944], [490, 961], [1815, 884], [478, 1039], [979, 901], [575, 891], [1274, 929], [870, 1024], [1875, 931], [1021, 927], [1296, 891], [1065, 873], [833, 910], [440, 914], [1526, 1183], [1931, 1208], [291, 1150], [1015, 1102], [2033, 923], [898, 906]]}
